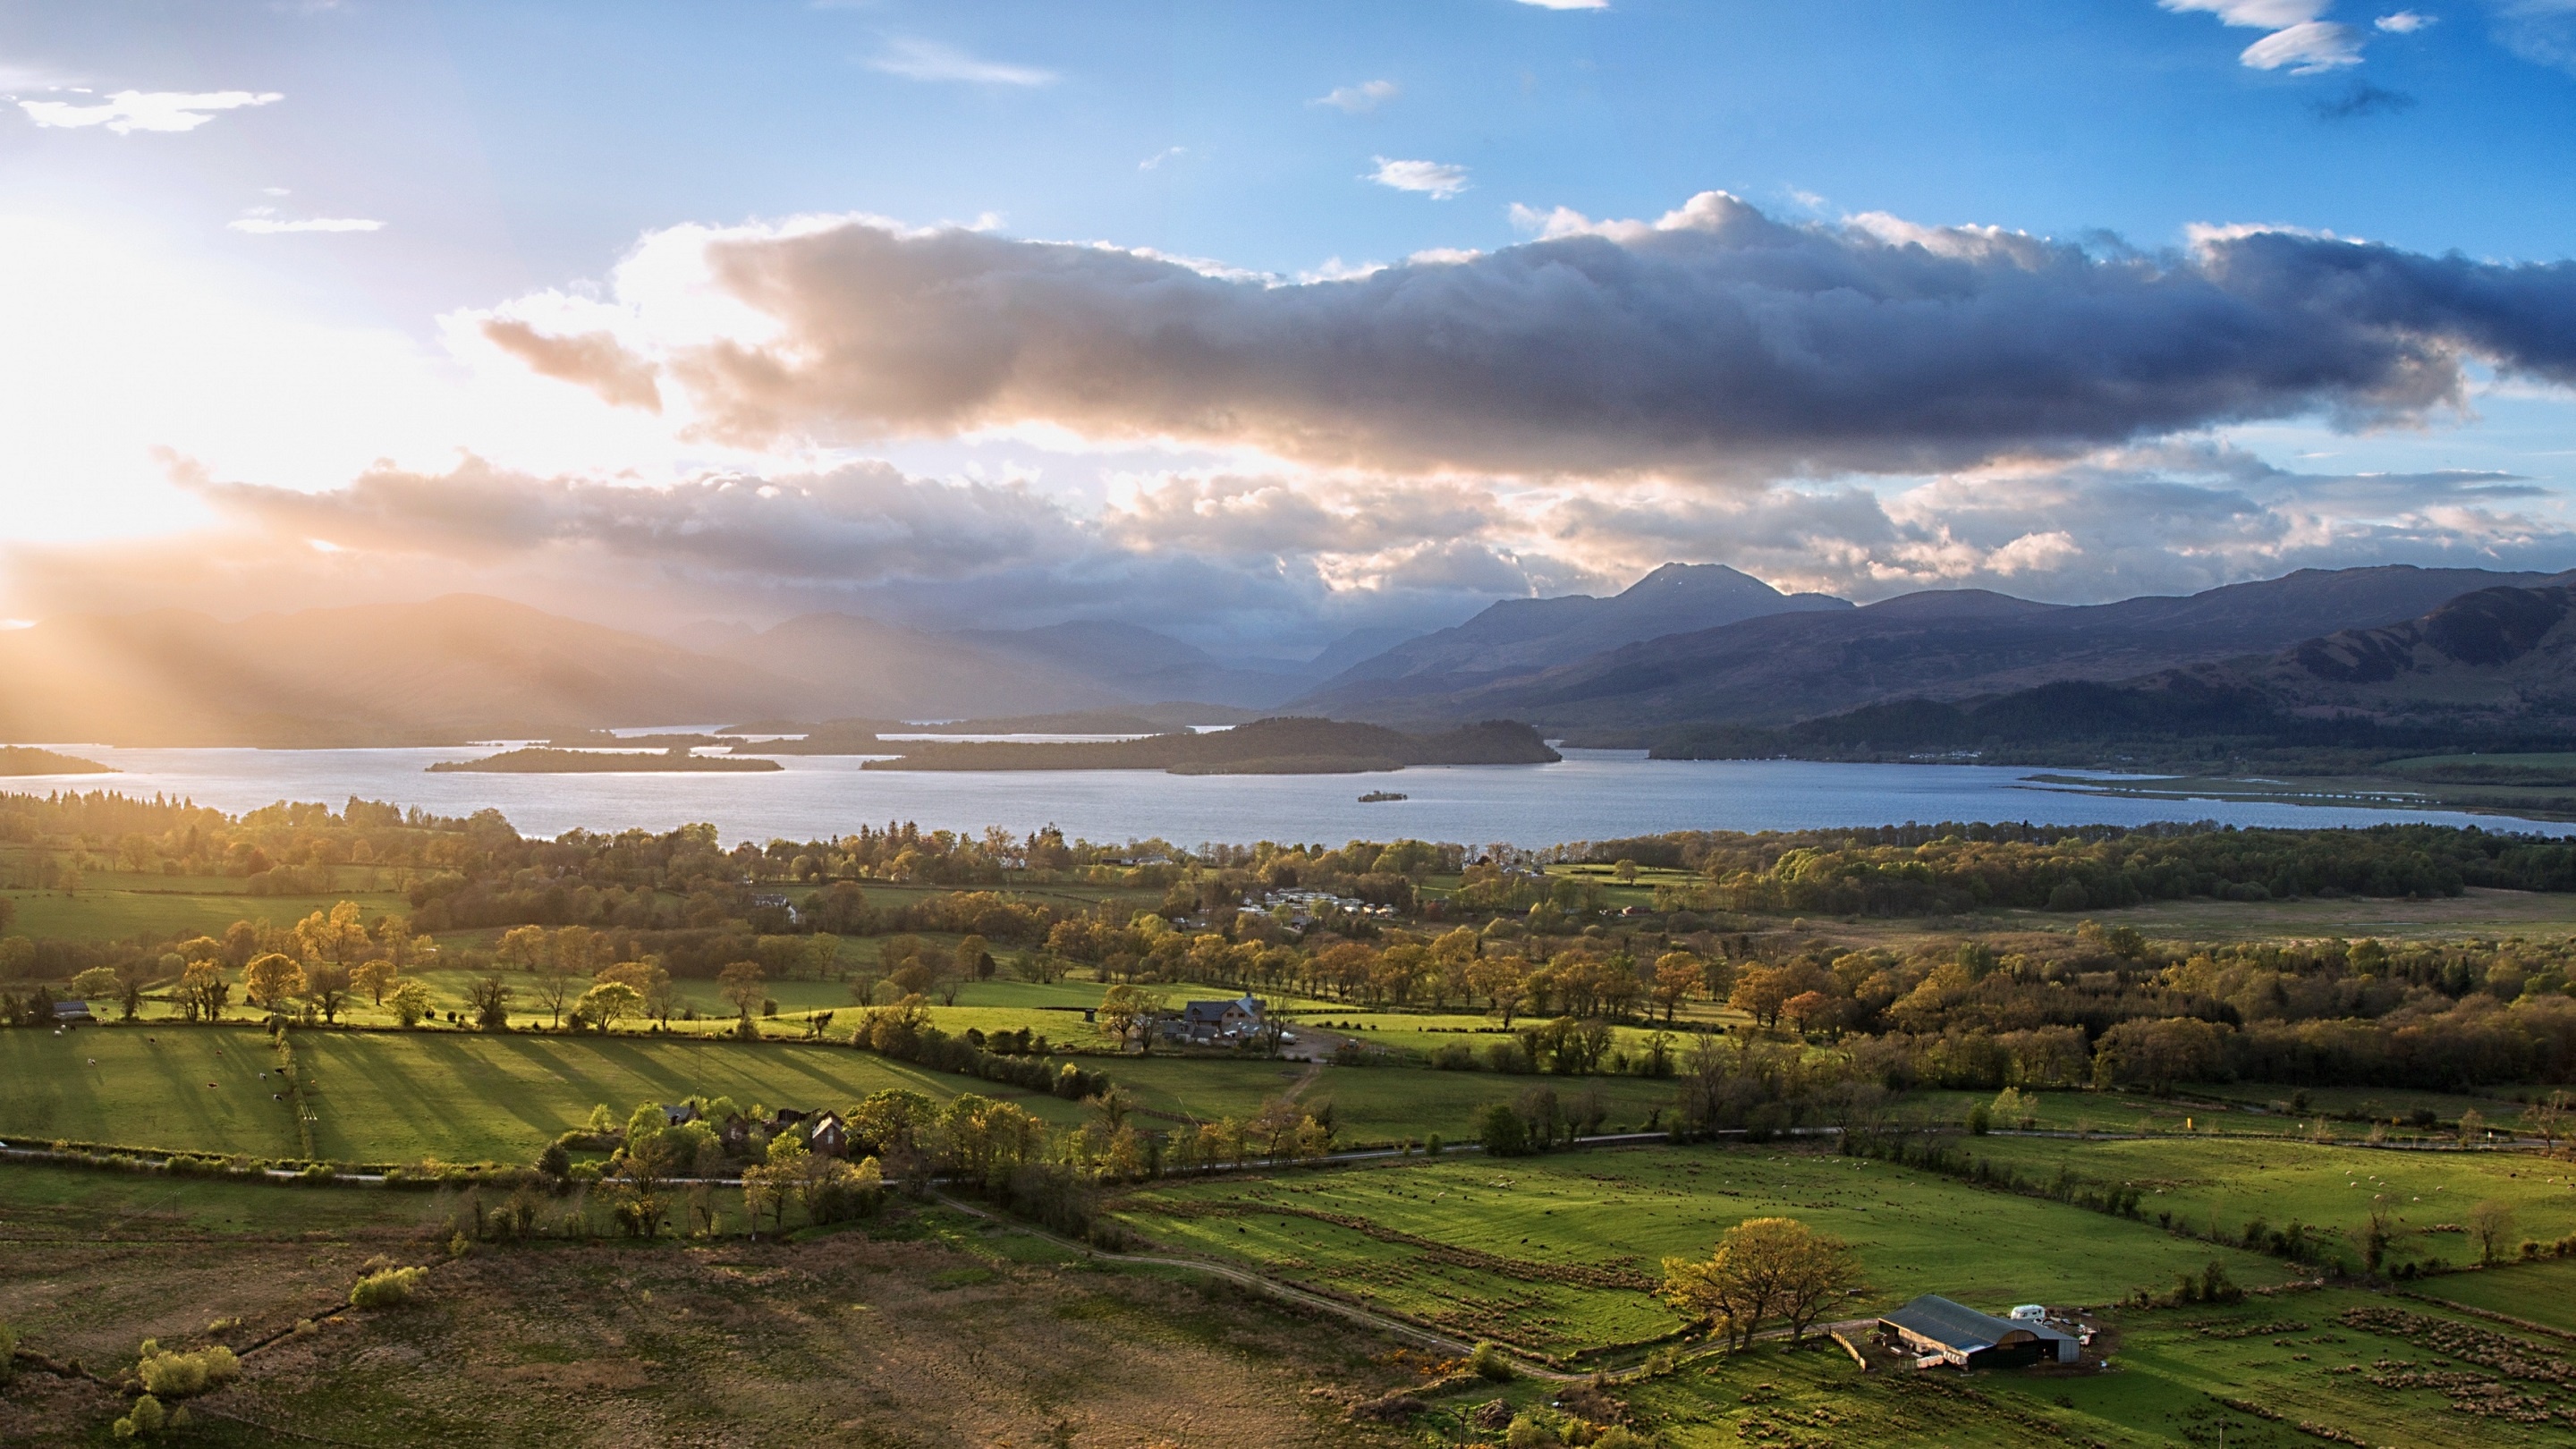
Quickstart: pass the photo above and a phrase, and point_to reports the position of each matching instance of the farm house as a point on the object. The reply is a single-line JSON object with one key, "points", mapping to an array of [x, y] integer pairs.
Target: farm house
{"points": [[1937, 1331]]}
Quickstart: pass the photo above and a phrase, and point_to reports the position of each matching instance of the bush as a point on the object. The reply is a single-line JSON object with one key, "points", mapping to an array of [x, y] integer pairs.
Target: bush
{"points": [[178, 1375], [1455, 1057], [1980, 1119], [142, 1421], [1529, 1433], [1502, 1131], [387, 1287], [1487, 1361]]}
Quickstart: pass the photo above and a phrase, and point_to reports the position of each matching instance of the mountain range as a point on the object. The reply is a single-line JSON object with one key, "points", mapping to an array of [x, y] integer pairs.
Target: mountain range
{"points": [[1688, 650], [1945, 645]]}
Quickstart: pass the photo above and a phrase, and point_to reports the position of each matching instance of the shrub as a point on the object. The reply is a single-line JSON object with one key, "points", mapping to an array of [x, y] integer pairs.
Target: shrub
{"points": [[1617, 1436], [143, 1420], [387, 1287], [1502, 1131], [171, 1375], [1529, 1433], [1455, 1057], [1487, 1361], [1980, 1120]]}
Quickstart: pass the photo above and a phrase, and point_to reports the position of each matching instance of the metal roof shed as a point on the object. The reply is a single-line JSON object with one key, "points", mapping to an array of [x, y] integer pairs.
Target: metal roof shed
{"points": [[1940, 1331]]}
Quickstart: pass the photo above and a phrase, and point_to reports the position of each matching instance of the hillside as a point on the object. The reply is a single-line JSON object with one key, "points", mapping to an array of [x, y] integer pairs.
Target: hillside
{"points": [[2494, 669], [1942, 645], [1285, 746], [1519, 637]]}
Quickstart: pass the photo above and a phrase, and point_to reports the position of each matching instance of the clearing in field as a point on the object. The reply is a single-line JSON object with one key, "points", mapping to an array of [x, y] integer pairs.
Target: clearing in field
{"points": [[1562, 1254]]}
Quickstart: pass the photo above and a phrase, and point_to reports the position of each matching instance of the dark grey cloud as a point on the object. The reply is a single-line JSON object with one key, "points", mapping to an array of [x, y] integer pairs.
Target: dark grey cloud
{"points": [[1717, 340]]}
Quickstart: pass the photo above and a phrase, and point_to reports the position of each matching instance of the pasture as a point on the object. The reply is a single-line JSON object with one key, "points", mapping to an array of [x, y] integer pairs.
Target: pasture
{"points": [[1559, 1254], [408, 1096], [2297, 1369], [188, 1089], [122, 906], [2215, 1185]]}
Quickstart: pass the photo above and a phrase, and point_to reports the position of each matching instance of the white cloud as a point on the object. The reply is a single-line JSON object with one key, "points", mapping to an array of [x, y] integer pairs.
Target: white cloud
{"points": [[1569, 4], [930, 60], [1432, 178], [1366, 96], [129, 111], [2302, 40], [2318, 45], [272, 225], [1168, 153], [17, 76], [2404, 22]]}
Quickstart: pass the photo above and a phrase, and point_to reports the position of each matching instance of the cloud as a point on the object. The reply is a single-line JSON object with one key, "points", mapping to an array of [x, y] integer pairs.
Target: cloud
{"points": [[1366, 96], [126, 112], [592, 360], [2310, 49], [2540, 31], [1432, 178], [1714, 341], [1569, 4], [1168, 153], [930, 60], [2403, 22], [2172, 518], [1230, 560], [2301, 42], [271, 225]]}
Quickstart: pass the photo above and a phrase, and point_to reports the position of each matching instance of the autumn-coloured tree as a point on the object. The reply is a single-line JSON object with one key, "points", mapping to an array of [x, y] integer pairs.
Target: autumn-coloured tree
{"points": [[269, 980], [375, 978], [1763, 1268]]}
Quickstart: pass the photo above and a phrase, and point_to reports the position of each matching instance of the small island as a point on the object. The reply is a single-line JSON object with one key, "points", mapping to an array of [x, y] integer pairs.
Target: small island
{"points": [[27, 760], [543, 760], [1379, 797], [1285, 746]]}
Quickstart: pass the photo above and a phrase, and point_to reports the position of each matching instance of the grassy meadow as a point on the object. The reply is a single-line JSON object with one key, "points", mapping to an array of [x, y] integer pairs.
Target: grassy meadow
{"points": [[1562, 1250], [2222, 1183]]}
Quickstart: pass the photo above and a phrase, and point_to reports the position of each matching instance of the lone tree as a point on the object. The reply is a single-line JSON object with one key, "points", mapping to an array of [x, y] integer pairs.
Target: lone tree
{"points": [[1763, 1268], [2491, 1223]]}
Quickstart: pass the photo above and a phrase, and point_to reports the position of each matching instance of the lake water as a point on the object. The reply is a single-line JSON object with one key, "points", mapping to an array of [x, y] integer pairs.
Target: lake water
{"points": [[1591, 795]]}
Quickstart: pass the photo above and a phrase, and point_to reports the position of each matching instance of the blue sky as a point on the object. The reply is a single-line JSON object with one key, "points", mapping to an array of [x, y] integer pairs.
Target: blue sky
{"points": [[510, 157]]}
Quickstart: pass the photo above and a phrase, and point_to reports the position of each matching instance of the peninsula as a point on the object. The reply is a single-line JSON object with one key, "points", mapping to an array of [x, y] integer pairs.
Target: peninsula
{"points": [[1284, 746], [542, 760]]}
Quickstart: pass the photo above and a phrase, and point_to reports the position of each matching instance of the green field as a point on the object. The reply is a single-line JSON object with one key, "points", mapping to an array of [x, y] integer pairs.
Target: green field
{"points": [[1372, 1105], [2542, 1292], [111, 910], [407, 1096], [1533, 1224], [2251, 1375], [189, 1089], [2223, 1182]]}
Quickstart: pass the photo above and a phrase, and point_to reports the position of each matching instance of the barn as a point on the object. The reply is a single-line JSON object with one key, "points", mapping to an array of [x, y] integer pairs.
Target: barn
{"points": [[1937, 1331]]}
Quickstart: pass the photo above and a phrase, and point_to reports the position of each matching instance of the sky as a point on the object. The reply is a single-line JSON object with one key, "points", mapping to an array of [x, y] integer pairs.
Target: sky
{"points": [[1262, 323]]}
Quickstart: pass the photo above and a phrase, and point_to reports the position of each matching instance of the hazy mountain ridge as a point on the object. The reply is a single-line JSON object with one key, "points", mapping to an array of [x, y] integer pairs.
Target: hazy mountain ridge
{"points": [[2491, 669], [1942, 645], [1520, 637]]}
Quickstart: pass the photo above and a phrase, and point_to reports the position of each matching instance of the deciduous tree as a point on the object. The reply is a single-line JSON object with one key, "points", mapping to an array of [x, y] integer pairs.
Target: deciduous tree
{"points": [[269, 980]]}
